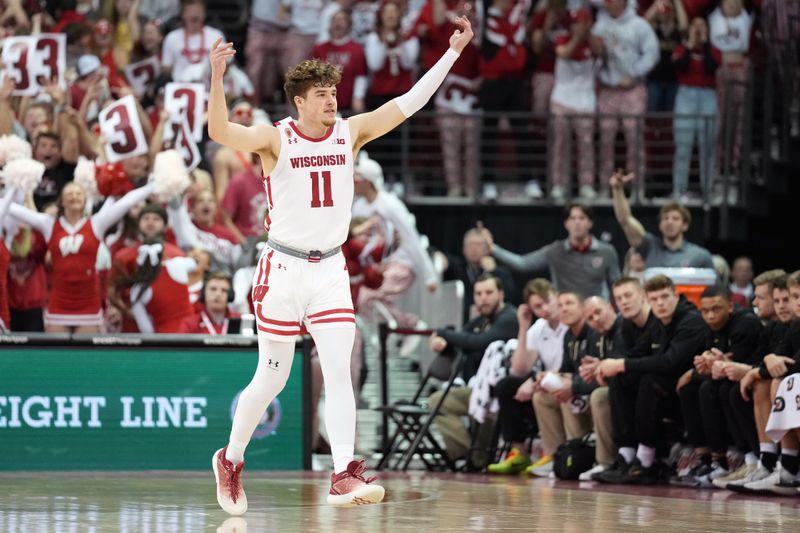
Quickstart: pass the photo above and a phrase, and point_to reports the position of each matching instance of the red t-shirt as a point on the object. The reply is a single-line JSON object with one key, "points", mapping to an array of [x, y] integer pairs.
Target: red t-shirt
{"points": [[384, 83], [696, 74], [361, 275], [246, 202], [350, 58]]}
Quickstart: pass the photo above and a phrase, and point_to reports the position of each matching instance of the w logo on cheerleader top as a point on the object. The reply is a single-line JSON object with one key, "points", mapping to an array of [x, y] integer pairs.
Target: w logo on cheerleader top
{"points": [[71, 244]]}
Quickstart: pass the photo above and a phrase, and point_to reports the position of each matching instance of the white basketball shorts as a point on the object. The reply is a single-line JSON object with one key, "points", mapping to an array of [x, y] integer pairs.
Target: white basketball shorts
{"points": [[292, 296]]}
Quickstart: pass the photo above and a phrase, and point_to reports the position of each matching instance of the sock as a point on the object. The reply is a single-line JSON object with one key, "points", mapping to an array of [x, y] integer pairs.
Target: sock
{"points": [[335, 347], [790, 461], [272, 372], [750, 458], [769, 455], [628, 454], [646, 455]]}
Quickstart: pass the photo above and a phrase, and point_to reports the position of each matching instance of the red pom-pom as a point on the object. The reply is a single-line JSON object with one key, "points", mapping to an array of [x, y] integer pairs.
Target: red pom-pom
{"points": [[112, 180]]}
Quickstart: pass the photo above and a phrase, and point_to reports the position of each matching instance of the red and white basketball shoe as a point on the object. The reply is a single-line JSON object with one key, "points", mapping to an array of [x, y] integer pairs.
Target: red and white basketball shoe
{"points": [[349, 488], [230, 494]]}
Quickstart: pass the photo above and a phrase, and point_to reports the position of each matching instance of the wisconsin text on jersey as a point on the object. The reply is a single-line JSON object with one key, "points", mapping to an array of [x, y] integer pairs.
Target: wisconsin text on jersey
{"points": [[318, 161]]}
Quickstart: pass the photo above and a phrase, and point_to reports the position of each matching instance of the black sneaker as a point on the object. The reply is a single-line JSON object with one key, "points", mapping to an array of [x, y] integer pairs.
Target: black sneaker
{"points": [[615, 474], [640, 475]]}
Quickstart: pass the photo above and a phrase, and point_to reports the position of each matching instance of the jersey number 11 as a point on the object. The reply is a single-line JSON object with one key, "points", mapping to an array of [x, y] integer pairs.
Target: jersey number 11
{"points": [[327, 197]]}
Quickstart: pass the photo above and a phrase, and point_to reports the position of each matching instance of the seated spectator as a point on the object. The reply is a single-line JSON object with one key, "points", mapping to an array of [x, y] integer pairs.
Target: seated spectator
{"points": [[767, 478], [696, 109], [73, 240], [606, 328], [745, 417], [733, 336], [540, 348], [496, 322], [669, 21], [581, 263], [474, 261], [190, 44], [572, 105], [742, 278], [672, 250], [341, 50], [560, 414], [645, 382], [214, 317]]}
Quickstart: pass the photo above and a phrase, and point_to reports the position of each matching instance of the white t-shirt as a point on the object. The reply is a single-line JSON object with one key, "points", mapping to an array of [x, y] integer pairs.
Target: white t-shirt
{"points": [[548, 342], [730, 34], [574, 82], [180, 52]]}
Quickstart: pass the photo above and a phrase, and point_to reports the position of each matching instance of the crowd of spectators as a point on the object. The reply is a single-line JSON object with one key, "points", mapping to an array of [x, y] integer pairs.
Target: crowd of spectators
{"points": [[597, 347]]}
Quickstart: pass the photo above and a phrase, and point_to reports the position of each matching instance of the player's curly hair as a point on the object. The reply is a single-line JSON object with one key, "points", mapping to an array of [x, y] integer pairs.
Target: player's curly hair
{"points": [[310, 73]]}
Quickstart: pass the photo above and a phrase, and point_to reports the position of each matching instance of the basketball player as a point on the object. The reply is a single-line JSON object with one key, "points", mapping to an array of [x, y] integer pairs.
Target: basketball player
{"points": [[301, 282]]}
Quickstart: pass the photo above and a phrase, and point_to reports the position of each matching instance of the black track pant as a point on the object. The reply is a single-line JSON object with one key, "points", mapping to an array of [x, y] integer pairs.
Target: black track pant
{"points": [[638, 403], [516, 419]]}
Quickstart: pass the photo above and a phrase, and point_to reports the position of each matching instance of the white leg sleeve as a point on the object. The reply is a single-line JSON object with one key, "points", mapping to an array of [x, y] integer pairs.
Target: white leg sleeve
{"points": [[272, 372], [334, 347]]}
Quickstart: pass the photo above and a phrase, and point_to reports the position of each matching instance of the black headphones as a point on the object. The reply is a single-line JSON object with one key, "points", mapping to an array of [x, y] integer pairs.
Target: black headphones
{"points": [[216, 275]]}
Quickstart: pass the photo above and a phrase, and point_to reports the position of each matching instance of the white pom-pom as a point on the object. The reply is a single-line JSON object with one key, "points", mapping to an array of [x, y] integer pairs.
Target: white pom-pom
{"points": [[24, 174], [85, 177], [170, 175], [13, 147]]}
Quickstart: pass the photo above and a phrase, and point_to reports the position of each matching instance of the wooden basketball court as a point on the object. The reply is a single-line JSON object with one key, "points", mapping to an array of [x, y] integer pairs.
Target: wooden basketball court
{"points": [[421, 502]]}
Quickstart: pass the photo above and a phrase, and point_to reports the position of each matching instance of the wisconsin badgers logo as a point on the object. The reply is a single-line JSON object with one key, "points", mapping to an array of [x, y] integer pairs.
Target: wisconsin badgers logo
{"points": [[71, 244]]}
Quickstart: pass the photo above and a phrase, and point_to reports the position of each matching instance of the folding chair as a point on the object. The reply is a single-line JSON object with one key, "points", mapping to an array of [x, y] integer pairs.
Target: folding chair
{"points": [[412, 435]]}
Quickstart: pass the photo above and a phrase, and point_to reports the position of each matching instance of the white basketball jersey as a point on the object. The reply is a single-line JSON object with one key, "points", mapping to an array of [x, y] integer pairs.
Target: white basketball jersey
{"points": [[310, 190]]}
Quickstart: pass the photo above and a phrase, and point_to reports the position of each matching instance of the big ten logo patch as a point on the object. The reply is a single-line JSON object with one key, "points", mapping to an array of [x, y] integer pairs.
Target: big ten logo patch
{"points": [[71, 244], [269, 421]]}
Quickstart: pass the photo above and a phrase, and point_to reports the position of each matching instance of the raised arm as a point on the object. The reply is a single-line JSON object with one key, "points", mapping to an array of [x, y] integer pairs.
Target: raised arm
{"points": [[113, 210], [368, 126], [182, 225], [39, 221], [258, 138], [633, 229]]}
